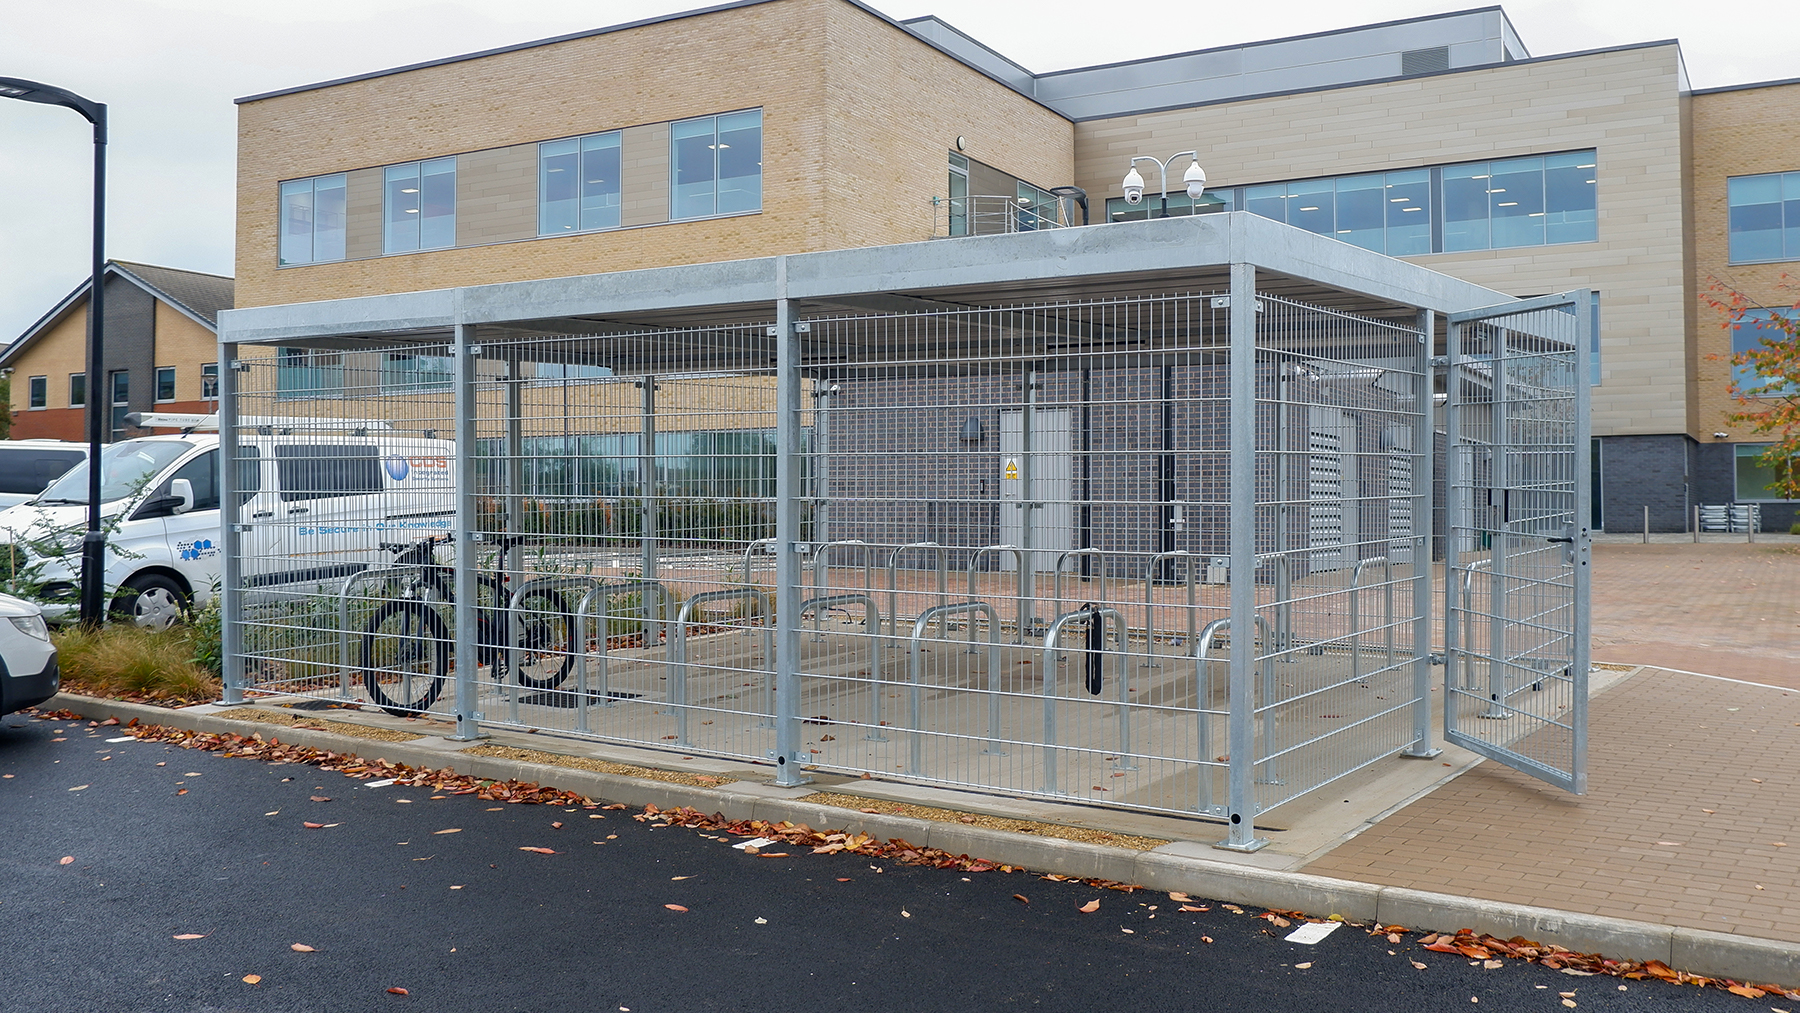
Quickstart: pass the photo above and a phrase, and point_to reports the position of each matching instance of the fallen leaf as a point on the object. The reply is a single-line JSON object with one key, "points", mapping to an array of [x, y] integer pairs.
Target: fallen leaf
{"points": [[1418, 965], [905, 913], [251, 979], [1206, 939], [540, 851], [66, 860], [1129, 932], [676, 907], [1569, 1003], [182, 792], [1021, 898], [312, 826], [1191, 908], [677, 879], [321, 798], [452, 830], [1492, 964], [456, 887], [302, 948], [1175, 895], [192, 935], [762, 921], [397, 990], [1746, 991], [81, 787], [558, 825], [1233, 908], [1090, 907], [1566, 995], [1304, 966]]}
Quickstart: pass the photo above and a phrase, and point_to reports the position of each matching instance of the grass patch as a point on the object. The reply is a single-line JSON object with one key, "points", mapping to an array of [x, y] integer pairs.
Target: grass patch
{"points": [[123, 662]]}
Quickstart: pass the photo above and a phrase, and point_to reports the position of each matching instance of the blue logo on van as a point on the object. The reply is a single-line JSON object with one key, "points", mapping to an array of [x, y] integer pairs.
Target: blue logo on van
{"points": [[397, 466]]}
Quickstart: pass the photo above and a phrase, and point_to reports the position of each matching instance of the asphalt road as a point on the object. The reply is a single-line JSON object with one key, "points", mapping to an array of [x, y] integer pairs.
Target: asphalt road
{"points": [[169, 842]]}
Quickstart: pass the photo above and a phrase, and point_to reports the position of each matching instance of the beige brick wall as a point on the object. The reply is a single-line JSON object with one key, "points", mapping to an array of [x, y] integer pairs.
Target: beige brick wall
{"points": [[857, 118], [1624, 104], [54, 355], [496, 195], [362, 214], [183, 344], [1736, 133]]}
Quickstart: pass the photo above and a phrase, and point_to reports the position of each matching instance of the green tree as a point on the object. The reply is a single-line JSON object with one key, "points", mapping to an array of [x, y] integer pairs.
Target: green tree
{"points": [[6, 406], [1767, 390]]}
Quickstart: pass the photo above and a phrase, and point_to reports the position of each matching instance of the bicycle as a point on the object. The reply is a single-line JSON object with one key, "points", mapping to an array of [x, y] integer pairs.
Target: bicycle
{"points": [[406, 645]]}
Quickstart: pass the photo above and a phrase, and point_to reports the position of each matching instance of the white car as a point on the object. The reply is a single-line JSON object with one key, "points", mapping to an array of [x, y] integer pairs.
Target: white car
{"points": [[28, 673]]}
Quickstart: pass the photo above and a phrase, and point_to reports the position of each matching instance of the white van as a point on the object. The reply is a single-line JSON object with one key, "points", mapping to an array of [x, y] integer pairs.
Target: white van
{"points": [[27, 467], [317, 505]]}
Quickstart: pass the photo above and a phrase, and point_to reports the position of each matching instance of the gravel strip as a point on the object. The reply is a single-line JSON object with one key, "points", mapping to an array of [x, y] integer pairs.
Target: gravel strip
{"points": [[267, 717]]}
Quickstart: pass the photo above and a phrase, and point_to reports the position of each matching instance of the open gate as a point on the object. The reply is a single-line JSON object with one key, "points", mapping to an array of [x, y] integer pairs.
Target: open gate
{"points": [[1517, 538]]}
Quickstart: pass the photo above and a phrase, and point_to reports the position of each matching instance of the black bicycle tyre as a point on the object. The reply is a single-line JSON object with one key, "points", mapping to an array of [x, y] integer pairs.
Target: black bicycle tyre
{"points": [[549, 630], [429, 643]]}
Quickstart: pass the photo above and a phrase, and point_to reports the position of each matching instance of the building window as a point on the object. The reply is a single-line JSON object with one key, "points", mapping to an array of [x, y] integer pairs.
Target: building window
{"points": [[312, 220], [420, 206], [959, 195], [209, 381], [121, 401], [405, 374], [1517, 202], [1764, 217], [77, 390], [1748, 335], [716, 165], [40, 389], [1180, 206], [1037, 208], [1755, 477], [165, 383], [301, 372], [578, 184]]}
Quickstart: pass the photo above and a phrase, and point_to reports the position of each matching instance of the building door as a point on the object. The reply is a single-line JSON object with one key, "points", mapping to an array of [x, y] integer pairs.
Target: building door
{"points": [[1050, 508], [1516, 557]]}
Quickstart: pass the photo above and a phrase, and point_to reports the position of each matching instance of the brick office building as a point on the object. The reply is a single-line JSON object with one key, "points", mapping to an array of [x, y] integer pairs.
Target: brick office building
{"points": [[787, 126]]}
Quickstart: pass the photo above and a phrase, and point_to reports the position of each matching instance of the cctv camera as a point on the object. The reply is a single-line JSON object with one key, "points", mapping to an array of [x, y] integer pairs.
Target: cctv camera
{"points": [[1134, 196], [1720, 436]]}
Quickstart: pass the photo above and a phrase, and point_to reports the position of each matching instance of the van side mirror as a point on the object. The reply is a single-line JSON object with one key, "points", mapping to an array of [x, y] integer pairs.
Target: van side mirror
{"points": [[182, 492]]}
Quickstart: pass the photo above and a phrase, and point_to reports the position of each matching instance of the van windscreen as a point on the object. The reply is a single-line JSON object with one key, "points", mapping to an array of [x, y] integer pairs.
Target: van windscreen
{"points": [[318, 471]]}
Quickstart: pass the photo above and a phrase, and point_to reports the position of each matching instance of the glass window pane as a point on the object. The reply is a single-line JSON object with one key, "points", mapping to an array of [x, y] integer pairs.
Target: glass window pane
{"points": [[296, 222], [437, 204], [77, 390], [600, 172], [401, 221], [209, 381], [1791, 214], [740, 161], [40, 386], [558, 186], [1312, 205], [1754, 217], [1361, 218], [328, 218], [691, 149], [1748, 335], [165, 383], [1269, 201], [1517, 190], [1754, 478], [1407, 199], [1569, 198], [1465, 207]]}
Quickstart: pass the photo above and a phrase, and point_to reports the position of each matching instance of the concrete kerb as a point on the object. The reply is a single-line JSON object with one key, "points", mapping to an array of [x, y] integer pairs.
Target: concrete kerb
{"points": [[1174, 867]]}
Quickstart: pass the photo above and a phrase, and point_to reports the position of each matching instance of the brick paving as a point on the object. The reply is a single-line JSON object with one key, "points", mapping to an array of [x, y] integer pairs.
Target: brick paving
{"points": [[1722, 608], [1692, 817]]}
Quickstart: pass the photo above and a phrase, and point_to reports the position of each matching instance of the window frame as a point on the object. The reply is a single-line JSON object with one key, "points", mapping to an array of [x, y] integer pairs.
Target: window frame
{"points": [[333, 252], [78, 390], [1750, 383], [1750, 452], [600, 143], [37, 393], [1787, 216], [160, 379], [209, 381], [676, 163], [410, 235]]}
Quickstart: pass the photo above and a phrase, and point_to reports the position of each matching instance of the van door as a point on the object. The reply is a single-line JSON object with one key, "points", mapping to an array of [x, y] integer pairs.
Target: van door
{"points": [[193, 536]]}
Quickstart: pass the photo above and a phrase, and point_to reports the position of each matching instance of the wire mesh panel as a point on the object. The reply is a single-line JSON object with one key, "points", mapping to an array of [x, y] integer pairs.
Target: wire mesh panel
{"points": [[1517, 540], [1340, 401]]}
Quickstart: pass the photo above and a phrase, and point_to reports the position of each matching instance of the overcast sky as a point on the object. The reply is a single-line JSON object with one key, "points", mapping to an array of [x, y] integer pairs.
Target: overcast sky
{"points": [[169, 69]]}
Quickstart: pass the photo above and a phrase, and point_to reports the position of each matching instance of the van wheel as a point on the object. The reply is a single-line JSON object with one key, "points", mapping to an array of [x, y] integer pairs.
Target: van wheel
{"points": [[151, 601]]}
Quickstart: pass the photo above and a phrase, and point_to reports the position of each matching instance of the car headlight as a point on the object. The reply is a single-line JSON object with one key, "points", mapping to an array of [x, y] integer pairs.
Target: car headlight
{"points": [[32, 626]]}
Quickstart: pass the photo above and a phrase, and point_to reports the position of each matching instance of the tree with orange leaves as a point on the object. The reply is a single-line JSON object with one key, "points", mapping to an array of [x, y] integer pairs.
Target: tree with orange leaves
{"points": [[1767, 384]]}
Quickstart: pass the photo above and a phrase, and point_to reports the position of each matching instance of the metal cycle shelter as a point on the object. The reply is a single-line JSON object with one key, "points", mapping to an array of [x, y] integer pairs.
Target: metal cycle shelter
{"points": [[1056, 415]]}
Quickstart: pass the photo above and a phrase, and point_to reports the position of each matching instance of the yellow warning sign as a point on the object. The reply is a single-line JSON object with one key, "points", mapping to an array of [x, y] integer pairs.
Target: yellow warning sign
{"points": [[1011, 471]]}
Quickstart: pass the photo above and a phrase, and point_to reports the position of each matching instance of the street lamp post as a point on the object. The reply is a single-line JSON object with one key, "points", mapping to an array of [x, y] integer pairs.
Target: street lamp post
{"points": [[1195, 178], [93, 545]]}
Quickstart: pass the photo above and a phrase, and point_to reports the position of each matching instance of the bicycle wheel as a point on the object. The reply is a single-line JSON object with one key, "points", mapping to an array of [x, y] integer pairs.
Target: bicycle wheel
{"points": [[546, 642], [405, 653]]}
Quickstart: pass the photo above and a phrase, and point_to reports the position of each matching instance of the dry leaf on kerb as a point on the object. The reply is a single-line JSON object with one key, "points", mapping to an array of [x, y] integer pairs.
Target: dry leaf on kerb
{"points": [[66, 860], [1090, 907], [397, 990], [251, 979], [1302, 967], [1173, 895], [1021, 898], [302, 948], [539, 851]]}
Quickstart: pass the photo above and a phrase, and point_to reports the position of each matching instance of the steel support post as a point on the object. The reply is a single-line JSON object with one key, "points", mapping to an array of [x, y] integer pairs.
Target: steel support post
{"points": [[1241, 726], [1457, 525], [788, 571], [649, 503], [1583, 531], [466, 658], [1027, 504], [1421, 471], [231, 572]]}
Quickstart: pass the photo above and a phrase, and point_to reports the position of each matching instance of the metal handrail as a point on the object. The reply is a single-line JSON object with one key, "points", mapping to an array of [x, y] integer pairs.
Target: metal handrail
{"points": [[823, 551], [678, 652], [344, 678], [1203, 690], [989, 214], [1022, 557], [915, 670], [871, 620], [1052, 751], [893, 570], [1387, 580], [1150, 605], [600, 594], [515, 629]]}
